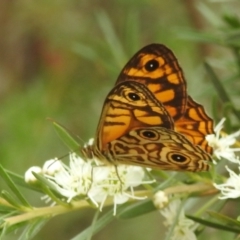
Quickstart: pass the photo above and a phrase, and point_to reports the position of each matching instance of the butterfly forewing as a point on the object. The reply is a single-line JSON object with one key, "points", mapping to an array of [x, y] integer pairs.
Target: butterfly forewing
{"points": [[130, 105], [156, 67]]}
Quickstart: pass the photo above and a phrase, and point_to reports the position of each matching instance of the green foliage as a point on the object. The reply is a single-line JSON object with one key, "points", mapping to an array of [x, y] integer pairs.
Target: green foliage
{"points": [[61, 58]]}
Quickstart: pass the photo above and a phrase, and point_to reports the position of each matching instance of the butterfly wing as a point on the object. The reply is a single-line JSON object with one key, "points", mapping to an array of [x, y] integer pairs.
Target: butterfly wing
{"points": [[195, 125], [157, 68], [128, 106], [159, 148], [149, 120]]}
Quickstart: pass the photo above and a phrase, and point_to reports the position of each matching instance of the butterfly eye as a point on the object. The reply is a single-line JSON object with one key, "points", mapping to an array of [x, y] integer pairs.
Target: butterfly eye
{"points": [[149, 134], [178, 158], [134, 96], [151, 65]]}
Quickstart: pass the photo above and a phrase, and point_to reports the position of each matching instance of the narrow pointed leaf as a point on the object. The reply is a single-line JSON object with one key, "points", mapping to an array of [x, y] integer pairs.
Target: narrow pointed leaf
{"points": [[137, 209], [19, 180], [224, 219], [220, 89], [99, 224], [33, 228], [111, 37], [85, 51], [51, 190], [214, 224], [217, 84], [13, 187], [66, 137], [5, 195]]}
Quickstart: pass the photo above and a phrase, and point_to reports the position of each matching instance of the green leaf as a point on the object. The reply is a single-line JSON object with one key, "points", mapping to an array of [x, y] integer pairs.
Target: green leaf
{"points": [[214, 224], [50, 190], [66, 137], [8, 229], [5, 216], [137, 209], [224, 219], [215, 111], [111, 37], [98, 225], [13, 187], [19, 180], [33, 228], [85, 51], [232, 21], [236, 54], [9, 198], [220, 89], [44, 182], [200, 37], [217, 84], [132, 31], [4, 209], [227, 109]]}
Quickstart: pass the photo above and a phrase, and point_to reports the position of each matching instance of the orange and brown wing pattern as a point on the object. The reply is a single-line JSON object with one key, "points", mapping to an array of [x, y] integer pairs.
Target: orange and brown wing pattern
{"points": [[128, 106], [156, 67], [149, 120], [195, 125], [159, 148]]}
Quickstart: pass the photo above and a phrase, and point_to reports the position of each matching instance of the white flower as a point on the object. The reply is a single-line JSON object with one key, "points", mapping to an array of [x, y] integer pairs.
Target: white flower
{"points": [[116, 184], [160, 199], [75, 179], [221, 144], [90, 142], [184, 228], [52, 166], [29, 177], [231, 188], [184, 232], [96, 182]]}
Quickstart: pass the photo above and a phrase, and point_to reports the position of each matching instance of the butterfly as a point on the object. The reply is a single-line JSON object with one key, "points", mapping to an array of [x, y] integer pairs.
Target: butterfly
{"points": [[156, 67], [149, 120]]}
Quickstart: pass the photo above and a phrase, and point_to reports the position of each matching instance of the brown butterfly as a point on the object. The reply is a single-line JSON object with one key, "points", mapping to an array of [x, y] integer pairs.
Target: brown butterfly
{"points": [[157, 68], [148, 119]]}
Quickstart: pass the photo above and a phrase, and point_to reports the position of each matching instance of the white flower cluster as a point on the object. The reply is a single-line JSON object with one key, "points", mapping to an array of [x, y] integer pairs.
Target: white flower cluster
{"points": [[90, 180], [222, 144], [231, 188], [222, 149], [183, 227]]}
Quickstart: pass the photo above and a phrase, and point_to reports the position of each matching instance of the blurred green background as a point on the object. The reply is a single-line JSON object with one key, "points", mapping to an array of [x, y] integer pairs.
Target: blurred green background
{"points": [[59, 59]]}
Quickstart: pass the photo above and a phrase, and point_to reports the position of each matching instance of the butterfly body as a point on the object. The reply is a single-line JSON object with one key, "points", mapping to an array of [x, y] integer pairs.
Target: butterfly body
{"points": [[149, 120]]}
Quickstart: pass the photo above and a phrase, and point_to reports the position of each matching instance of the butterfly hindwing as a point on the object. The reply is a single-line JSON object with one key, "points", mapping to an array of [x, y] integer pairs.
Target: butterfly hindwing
{"points": [[195, 124], [157, 147]]}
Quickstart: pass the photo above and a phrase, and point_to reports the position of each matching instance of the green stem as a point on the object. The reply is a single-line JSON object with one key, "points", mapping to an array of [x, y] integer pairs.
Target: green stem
{"points": [[32, 213], [45, 212], [203, 188]]}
